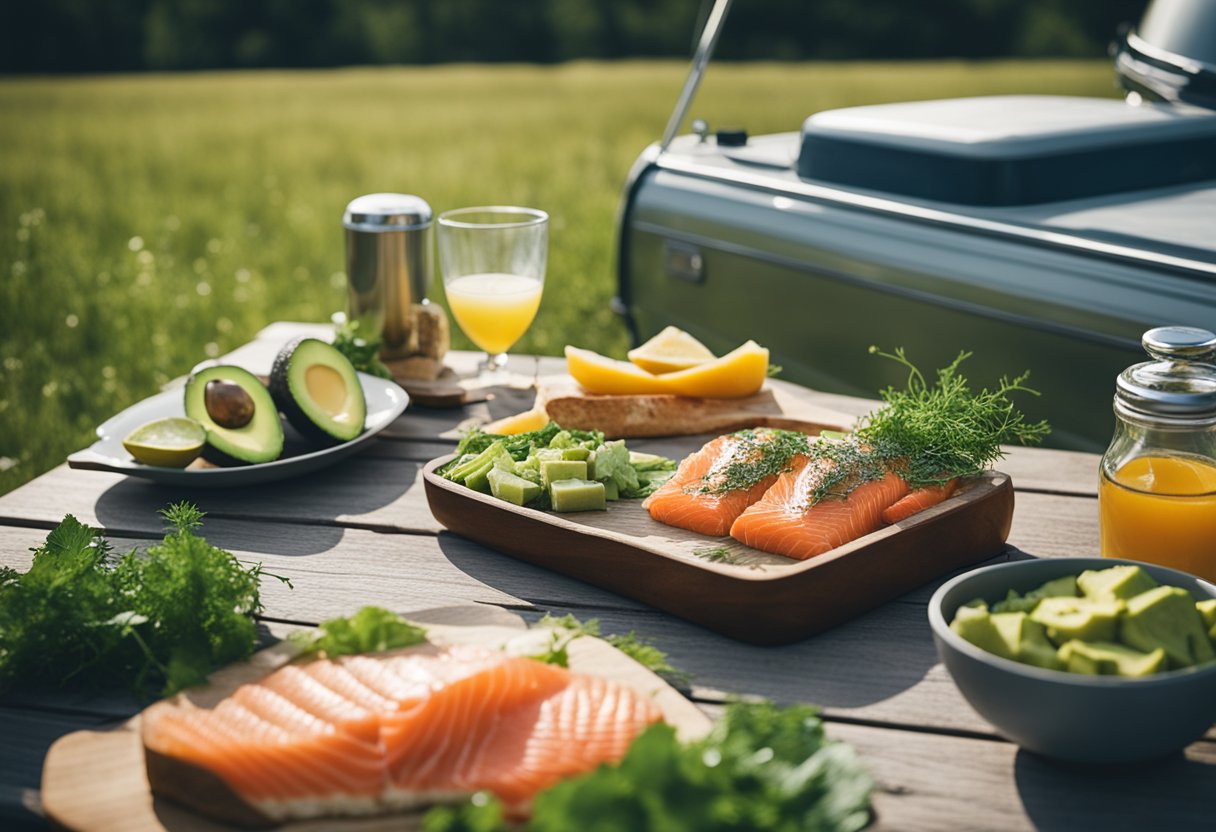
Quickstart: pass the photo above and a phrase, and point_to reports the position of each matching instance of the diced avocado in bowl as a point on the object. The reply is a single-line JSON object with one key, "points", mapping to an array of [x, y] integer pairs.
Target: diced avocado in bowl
{"points": [[1092, 693]]}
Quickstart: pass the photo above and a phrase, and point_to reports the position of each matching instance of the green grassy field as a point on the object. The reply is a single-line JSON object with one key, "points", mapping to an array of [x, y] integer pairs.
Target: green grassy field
{"points": [[148, 222]]}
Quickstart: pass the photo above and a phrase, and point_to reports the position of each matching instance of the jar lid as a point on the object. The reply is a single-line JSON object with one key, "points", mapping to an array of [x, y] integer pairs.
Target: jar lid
{"points": [[387, 212], [1181, 382]]}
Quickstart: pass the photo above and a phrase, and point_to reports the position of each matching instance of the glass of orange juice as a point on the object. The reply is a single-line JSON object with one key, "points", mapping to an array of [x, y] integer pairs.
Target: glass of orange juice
{"points": [[493, 262]]}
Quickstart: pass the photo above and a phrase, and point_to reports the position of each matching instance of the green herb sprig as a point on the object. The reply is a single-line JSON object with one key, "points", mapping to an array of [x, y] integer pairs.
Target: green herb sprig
{"points": [[567, 628], [362, 351], [370, 630], [935, 433], [759, 453], [153, 622]]}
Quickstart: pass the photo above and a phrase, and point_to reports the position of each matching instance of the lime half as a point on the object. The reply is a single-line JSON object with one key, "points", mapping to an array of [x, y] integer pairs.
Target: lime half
{"points": [[174, 442]]}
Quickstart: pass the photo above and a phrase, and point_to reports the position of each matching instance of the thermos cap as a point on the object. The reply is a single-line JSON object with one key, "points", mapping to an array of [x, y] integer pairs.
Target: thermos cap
{"points": [[1181, 382], [387, 212]]}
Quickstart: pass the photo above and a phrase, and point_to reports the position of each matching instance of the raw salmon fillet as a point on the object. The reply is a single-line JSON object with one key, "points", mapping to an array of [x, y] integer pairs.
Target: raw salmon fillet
{"points": [[365, 734], [783, 521], [681, 501], [919, 500]]}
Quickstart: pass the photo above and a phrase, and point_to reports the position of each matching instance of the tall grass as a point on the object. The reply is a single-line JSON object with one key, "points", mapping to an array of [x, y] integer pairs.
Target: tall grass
{"points": [[148, 222]]}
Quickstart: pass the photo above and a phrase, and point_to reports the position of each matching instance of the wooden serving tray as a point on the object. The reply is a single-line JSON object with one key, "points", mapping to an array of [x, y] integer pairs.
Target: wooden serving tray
{"points": [[719, 583], [96, 781]]}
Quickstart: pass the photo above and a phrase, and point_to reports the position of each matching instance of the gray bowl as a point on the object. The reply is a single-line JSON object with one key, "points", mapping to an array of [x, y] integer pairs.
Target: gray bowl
{"points": [[1071, 716]]}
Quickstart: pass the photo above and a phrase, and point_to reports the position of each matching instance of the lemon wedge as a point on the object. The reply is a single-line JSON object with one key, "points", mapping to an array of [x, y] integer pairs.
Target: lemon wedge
{"points": [[600, 374], [173, 442], [737, 374], [525, 422], [670, 351]]}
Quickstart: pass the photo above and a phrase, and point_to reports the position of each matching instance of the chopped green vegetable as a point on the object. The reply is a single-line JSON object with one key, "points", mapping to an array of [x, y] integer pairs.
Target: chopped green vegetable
{"points": [[363, 353], [612, 462], [370, 630], [762, 768], [158, 621], [565, 454], [521, 444]]}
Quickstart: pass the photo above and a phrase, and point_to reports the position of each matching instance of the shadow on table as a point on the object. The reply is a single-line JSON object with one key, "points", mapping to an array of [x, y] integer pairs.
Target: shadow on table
{"points": [[1064, 796], [873, 657], [354, 490]]}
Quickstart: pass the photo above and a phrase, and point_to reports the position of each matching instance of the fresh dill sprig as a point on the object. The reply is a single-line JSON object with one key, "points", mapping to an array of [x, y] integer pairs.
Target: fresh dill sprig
{"points": [[841, 466], [757, 453], [934, 433], [727, 555]]}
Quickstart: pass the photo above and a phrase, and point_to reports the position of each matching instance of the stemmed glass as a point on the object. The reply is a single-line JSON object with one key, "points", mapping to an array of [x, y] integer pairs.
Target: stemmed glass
{"points": [[493, 262]]}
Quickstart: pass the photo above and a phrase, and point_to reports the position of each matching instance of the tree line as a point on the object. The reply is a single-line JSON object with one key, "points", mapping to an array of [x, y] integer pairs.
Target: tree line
{"points": [[50, 36]]}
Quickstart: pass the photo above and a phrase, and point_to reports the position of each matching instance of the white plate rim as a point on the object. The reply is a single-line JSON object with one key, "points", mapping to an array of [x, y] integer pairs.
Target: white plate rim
{"points": [[386, 401]]}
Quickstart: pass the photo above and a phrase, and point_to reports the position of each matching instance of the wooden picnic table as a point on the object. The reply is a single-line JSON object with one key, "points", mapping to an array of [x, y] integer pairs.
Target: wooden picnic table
{"points": [[361, 533]]}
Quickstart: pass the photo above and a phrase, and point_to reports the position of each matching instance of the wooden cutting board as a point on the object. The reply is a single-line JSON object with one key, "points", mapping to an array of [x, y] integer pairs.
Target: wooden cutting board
{"points": [[95, 780], [718, 582]]}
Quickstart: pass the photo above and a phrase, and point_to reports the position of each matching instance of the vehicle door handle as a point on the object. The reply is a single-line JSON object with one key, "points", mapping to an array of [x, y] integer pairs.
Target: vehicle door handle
{"points": [[683, 260]]}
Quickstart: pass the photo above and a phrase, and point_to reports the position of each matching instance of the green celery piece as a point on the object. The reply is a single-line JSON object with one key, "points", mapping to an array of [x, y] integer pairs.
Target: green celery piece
{"points": [[512, 488]]}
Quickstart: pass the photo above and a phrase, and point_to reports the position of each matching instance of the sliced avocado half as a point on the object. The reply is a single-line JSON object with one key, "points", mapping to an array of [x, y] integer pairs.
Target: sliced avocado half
{"points": [[240, 417], [318, 391]]}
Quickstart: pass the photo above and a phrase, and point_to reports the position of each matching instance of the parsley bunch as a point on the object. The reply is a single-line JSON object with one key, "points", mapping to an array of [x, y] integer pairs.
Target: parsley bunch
{"points": [[153, 622], [370, 630]]}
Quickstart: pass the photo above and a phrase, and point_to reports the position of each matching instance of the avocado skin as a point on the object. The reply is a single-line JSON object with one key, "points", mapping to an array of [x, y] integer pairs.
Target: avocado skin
{"points": [[265, 416], [284, 397]]}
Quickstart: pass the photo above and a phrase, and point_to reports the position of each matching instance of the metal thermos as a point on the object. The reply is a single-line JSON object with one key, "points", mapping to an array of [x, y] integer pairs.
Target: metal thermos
{"points": [[388, 265]]}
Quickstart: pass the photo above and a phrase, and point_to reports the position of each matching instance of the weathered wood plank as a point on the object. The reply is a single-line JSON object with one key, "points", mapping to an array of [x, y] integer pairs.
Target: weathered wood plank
{"points": [[1054, 525], [1050, 471]]}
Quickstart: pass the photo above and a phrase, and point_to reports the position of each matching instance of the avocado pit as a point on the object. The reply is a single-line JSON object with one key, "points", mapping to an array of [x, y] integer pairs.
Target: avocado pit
{"points": [[228, 404]]}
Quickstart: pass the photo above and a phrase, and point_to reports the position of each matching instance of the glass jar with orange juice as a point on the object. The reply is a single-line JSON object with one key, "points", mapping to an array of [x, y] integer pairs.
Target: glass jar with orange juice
{"points": [[1157, 491]]}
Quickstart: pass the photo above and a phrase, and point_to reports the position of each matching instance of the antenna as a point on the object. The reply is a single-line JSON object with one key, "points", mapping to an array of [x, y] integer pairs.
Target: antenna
{"points": [[705, 49]]}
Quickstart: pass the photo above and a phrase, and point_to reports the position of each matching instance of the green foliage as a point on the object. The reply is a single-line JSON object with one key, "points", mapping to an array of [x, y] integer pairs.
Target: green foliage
{"points": [[370, 630], [363, 352], [160, 621], [944, 431], [69, 35], [563, 631], [150, 222], [762, 768], [927, 435]]}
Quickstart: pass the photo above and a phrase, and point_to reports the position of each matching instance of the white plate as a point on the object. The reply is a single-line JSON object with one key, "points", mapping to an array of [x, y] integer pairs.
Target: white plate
{"points": [[385, 402]]}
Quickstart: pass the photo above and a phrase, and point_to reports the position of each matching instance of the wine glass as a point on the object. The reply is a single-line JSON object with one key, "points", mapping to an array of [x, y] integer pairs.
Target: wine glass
{"points": [[493, 262]]}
